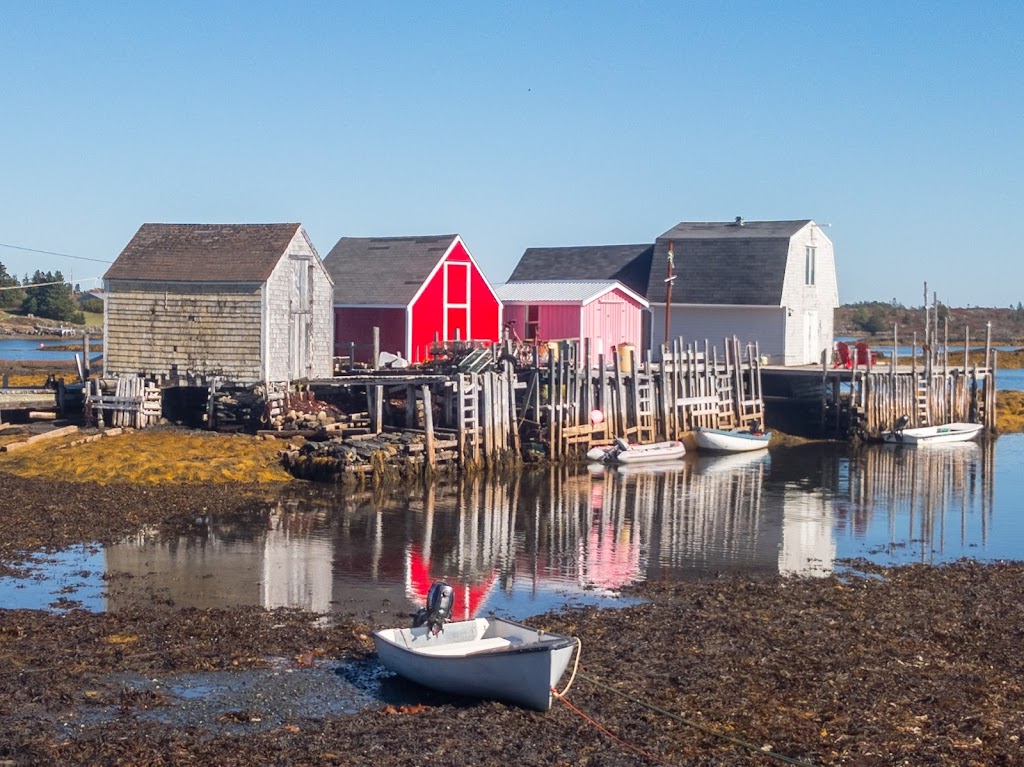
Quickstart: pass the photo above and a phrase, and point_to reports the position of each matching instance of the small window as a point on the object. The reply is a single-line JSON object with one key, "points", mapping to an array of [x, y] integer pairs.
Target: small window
{"points": [[809, 264]]}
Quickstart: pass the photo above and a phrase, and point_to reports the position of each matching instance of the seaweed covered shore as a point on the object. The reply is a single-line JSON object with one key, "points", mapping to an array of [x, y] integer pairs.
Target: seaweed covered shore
{"points": [[917, 666]]}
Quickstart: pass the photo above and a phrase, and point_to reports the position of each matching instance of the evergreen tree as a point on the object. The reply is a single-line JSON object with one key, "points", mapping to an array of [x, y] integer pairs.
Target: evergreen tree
{"points": [[9, 299], [52, 301]]}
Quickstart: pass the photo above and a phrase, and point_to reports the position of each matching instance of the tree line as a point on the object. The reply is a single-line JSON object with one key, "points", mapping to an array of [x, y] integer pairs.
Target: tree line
{"points": [[877, 318], [44, 294]]}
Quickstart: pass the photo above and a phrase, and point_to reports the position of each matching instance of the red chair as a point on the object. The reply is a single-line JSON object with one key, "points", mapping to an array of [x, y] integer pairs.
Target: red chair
{"points": [[863, 355], [842, 359]]}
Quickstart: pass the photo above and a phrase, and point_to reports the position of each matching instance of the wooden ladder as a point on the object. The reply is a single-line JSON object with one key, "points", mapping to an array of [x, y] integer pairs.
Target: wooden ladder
{"points": [[468, 403], [921, 397], [644, 408]]}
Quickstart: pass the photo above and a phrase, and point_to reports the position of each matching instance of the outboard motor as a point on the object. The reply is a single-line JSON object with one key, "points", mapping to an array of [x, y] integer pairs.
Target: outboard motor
{"points": [[901, 423], [438, 609], [754, 427]]}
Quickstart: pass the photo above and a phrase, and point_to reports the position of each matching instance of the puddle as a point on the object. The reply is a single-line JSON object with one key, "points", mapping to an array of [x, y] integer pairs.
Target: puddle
{"points": [[250, 700], [60, 580]]}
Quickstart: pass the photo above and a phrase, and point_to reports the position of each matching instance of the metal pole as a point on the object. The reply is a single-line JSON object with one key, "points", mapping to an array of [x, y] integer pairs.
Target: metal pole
{"points": [[669, 278]]}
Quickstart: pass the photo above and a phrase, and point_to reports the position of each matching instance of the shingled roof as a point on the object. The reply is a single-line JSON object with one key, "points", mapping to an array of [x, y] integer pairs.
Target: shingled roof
{"points": [[629, 264], [203, 252], [383, 271], [739, 262]]}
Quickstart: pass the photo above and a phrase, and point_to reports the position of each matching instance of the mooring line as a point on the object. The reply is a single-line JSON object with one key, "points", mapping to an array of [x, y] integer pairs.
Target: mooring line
{"points": [[612, 735], [706, 730]]}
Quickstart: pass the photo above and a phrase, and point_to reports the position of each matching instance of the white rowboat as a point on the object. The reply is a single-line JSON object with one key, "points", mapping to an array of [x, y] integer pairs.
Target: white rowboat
{"points": [[624, 453], [482, 658], [933, 435], [731, 440]]}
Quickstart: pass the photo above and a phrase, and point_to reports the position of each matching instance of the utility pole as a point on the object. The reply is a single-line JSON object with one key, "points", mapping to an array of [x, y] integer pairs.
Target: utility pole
{"points": [[669, 279]]}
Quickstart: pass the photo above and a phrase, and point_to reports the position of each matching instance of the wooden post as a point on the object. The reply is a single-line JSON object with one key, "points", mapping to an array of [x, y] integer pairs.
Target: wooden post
{"points": [[945, 345], [460, 419], [377, 413], [552, 417], [428, 427], [85, 356], [375, 363], [895, 354], [988, 345]]}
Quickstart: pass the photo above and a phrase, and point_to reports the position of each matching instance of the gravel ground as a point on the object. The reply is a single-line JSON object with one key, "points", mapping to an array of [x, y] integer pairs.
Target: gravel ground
{"points": [[913, 666]]}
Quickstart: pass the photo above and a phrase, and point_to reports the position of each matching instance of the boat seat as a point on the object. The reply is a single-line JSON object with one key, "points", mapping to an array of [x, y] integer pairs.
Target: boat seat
{"points": [[466, 648]]}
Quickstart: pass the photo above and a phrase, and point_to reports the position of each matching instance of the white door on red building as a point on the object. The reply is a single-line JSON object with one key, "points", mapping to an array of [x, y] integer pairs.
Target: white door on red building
{"points": [[456, 302]]}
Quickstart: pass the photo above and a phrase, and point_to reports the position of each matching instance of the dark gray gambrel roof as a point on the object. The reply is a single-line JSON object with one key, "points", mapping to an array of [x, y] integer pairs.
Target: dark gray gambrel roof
{"points": [[383, 271], [203, 252], [724, 263], [629, 264]]}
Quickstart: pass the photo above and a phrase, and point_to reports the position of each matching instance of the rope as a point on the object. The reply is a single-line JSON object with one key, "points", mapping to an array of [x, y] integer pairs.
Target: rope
{"points": [[706, 730], [612, 735]]}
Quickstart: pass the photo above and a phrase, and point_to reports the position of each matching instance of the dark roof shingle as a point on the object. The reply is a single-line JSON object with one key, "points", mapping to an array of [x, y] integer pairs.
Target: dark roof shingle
{"points": [[724, 263], [203, 252], [629, 264], [383, 270]]}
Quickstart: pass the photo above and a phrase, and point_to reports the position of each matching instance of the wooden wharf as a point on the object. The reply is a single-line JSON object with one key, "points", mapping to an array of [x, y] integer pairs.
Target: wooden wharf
{"points": [[866, 399], [495, 406], [505, 404]]}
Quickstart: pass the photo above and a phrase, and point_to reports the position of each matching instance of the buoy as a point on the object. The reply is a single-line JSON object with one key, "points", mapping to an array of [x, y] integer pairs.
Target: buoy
{"points": [[596, 416]]}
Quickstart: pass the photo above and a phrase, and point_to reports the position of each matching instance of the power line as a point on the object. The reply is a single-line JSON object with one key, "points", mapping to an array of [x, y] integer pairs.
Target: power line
{"points": [[52, 253], [33, 285]]}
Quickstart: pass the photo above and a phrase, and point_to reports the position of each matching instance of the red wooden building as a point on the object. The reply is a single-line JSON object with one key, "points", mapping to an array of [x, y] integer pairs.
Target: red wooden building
{"points": [[415, 289]]}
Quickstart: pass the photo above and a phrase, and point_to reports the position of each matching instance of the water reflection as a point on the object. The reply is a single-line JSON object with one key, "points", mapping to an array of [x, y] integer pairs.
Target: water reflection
{"points": [[560, 536]]}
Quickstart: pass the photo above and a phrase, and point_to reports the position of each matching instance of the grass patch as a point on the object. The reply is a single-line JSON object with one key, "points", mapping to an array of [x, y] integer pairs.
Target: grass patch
{"points": [[153, 457]]}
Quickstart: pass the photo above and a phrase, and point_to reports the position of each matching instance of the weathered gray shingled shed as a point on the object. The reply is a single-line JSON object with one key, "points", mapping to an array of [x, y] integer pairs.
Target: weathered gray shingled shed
{"points": [[241, 302]]}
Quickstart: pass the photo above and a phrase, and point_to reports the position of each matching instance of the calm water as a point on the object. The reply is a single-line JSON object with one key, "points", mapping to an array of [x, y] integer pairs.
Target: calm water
{"points": [[569, 537], [28, 349]]}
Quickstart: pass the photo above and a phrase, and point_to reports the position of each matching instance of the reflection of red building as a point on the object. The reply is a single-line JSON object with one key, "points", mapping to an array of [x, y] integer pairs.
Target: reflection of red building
{"points": [[467, 598]]}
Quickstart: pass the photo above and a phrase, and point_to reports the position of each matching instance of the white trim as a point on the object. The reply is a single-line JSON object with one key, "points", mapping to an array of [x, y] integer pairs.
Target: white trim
{"points": [[590, 298], [265, 333], [434, 271], [408, 335], [446, 305]]}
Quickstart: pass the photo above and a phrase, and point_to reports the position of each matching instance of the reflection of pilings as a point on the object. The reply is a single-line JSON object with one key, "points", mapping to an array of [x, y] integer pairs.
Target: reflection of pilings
{"points": [[930, 483]]}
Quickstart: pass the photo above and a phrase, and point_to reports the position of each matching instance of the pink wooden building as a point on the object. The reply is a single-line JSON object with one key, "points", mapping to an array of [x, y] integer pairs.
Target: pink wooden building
{"points": [[605, 312], [415, 289]]}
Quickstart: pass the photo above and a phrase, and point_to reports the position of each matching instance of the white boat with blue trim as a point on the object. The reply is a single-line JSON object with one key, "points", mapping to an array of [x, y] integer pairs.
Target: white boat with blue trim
{"points": [[488, 658], [930, 435]]}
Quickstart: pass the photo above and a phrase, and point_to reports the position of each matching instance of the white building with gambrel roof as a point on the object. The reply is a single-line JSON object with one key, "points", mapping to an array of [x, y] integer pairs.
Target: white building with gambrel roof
{"points": [[769, 282]]}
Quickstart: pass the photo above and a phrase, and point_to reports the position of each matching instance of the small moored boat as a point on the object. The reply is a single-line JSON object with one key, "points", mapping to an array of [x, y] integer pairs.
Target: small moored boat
{"points": [[482, 658], [931, 435], [623, 452], [732, 440]]}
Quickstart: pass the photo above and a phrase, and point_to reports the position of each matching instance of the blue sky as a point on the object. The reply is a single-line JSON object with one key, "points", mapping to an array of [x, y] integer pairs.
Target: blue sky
{"points": [[524, 124]]}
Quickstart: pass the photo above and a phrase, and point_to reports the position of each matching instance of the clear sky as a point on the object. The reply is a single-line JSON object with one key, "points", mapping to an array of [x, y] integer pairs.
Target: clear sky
{"points": [[521, 124]]}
